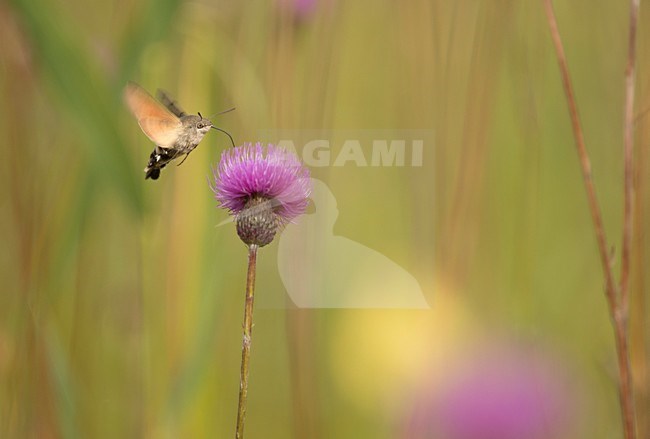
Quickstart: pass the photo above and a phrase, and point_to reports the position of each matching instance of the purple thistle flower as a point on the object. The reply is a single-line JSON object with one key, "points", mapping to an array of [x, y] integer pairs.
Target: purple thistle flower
{"points": [[264, 188]]}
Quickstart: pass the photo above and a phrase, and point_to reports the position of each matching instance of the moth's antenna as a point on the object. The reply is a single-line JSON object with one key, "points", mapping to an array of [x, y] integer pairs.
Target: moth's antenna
{"points": [[226, 133], [222, 112]]}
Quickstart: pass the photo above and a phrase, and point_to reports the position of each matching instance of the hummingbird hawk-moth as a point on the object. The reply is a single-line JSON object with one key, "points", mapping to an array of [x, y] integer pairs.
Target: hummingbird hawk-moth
{"points": [[174, 132]]}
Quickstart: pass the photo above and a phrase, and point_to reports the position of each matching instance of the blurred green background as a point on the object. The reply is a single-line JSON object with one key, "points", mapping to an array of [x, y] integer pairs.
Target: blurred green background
{"points": [[121, 302]]}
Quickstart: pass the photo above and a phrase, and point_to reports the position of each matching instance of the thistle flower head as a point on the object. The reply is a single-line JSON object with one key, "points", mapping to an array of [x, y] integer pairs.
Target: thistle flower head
{"points": [[263, 187]]}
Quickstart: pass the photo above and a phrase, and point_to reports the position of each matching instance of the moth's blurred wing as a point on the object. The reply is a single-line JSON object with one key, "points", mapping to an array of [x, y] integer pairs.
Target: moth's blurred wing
{"points": [[163, 132], [170, 103], [159, 124]]}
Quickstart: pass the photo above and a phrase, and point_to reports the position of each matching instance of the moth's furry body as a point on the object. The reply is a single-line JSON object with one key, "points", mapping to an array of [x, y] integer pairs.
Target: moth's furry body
{"points": [[174, 132], [189, 136]]}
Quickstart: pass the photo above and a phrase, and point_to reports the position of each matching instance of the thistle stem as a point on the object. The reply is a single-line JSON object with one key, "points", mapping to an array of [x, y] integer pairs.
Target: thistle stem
{"points": [[246, 343]]}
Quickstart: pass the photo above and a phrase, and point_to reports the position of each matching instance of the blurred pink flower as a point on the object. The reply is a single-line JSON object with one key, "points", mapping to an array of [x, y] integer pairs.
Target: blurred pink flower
{"points": [[501, 394], [300, 9]]}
